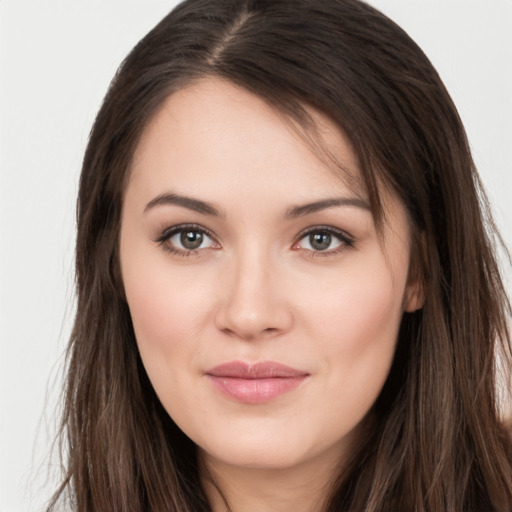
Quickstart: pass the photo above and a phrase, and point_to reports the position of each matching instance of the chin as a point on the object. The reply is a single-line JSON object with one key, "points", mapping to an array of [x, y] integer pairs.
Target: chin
{"points": [[257, 457], [265, 451]]}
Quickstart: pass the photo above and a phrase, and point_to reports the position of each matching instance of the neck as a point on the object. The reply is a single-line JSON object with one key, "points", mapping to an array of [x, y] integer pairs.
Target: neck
{"points": [[302, 488]]}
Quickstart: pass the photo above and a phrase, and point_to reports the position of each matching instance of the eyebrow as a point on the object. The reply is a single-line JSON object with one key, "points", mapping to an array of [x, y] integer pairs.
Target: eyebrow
{"points": [[206, 208], [307, 209], [186, 202]]}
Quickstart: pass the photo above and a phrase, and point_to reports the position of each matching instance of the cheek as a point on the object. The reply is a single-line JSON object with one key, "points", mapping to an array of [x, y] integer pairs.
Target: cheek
{"points": [[167, 314], [358, 306], [168, 306], [159, 305], [368, 314], [167, 309], [355, 322]]}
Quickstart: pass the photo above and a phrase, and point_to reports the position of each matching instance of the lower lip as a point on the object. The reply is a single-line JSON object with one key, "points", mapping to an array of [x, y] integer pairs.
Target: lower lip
{"points": [[255, 391]]}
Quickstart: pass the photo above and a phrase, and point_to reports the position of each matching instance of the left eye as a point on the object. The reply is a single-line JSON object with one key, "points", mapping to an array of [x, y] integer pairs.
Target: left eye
{"points": [[186, 238], [322, 240], [190, 240]]}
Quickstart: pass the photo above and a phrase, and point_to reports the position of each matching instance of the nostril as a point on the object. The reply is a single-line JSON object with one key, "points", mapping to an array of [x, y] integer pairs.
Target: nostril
{"points": [[250, 334], [250, 310]]}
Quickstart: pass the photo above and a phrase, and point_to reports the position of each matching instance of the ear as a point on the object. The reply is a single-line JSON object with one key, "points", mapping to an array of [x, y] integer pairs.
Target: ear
{"points": [[414, 297], [415, 290]]}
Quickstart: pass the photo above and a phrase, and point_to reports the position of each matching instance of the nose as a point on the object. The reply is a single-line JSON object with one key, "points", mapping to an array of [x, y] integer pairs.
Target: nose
{"points": [[253, 299]]}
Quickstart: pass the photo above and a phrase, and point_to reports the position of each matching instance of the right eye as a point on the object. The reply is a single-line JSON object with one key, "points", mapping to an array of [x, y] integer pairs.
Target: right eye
{"points": [[323, 241], [187, 239]]}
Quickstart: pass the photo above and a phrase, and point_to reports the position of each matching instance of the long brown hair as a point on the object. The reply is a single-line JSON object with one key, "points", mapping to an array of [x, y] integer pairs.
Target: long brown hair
{"points": [[435, 439]]}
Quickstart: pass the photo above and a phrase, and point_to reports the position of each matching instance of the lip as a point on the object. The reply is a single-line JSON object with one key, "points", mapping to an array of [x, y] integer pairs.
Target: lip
{"points": [[255, 383]]}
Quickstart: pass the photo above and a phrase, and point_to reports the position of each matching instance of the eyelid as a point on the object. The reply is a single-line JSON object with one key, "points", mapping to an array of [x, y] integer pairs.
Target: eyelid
{"points": [[169, 232], [172, 230], [347, 240]]}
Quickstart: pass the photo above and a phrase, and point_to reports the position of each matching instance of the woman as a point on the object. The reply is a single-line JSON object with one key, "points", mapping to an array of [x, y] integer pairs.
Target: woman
{"points": [[287, 297]]}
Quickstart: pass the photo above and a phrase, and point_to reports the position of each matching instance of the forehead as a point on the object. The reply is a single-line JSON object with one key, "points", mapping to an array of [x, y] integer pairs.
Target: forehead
{"points": [[222, 145], [212, 126]]}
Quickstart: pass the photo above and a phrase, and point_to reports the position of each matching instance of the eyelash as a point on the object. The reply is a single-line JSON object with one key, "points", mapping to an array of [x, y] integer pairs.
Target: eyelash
{"points": [[346, 241], [168, 233]]}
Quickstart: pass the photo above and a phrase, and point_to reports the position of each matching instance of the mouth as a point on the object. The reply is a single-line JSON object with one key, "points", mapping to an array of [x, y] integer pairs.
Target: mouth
{"points": [[255, 383]]}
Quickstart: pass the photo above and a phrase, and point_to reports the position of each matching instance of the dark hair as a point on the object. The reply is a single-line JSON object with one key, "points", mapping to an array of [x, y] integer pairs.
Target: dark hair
{"points": [[435, 439]]}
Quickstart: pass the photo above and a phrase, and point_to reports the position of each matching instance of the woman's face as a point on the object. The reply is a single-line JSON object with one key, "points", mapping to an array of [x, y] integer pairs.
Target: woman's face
{"points": [[264, 303]]}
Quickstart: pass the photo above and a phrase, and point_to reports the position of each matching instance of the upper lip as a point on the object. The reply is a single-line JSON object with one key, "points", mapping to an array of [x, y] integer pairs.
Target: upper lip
{"points": [[259, 370]]}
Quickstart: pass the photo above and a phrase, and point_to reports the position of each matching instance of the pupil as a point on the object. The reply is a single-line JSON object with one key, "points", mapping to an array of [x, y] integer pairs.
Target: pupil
{"points": [[191, 239], [320, 241]]}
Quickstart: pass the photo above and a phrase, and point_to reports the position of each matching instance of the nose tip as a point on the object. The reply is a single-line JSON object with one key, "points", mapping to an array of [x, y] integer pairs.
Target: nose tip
{"points": [[253, 306], [249, 325]]}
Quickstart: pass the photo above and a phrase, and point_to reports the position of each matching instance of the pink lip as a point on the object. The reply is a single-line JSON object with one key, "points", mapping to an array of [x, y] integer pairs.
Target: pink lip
{"points": [[255, 383]]}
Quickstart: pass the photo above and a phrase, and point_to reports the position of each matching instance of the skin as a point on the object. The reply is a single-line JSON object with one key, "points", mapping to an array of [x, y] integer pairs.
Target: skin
{"points": [[257, 289]]}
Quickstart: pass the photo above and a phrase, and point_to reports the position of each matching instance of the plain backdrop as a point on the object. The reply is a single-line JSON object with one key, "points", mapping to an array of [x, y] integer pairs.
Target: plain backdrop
{"points": [[57, 59]]}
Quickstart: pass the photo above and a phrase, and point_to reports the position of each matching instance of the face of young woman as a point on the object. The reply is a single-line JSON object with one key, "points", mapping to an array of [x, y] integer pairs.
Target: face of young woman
{"points": [[265, 305]]}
